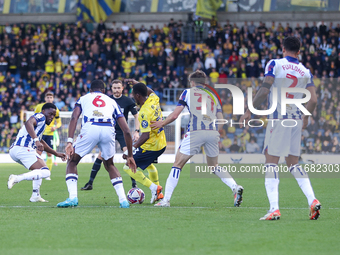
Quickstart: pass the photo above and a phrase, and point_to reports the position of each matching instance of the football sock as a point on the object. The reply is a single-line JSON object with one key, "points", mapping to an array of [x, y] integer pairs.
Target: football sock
{"points": [[226, 178], [71, 182], [95, 168], [118, 185], [272, 185], [138, 176], [153, 174], [34, 175], [49, 162], [36, 187], [171, 182], [302, 179], [134, 184]]}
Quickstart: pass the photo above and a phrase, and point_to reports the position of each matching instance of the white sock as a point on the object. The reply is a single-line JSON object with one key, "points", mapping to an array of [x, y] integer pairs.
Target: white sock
{"points": [[153, 188], [171, 182], [302, 179], [272, 186], [71, 182], [118, 185], [36, 187], [225, 177], [35, 174]]}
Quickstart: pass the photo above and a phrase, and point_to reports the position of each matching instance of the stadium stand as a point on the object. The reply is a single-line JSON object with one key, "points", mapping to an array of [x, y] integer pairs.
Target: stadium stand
{"points": [[64, 58]]}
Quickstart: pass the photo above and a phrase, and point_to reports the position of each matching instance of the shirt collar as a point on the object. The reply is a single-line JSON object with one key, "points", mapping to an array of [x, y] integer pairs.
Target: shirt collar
{"points": [[291, 59]]}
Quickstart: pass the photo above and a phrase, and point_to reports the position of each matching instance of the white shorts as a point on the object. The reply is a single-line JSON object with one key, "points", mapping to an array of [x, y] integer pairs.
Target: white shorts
{"points": [[92, 134], [24, 155], [283, 141], [194, 140]]}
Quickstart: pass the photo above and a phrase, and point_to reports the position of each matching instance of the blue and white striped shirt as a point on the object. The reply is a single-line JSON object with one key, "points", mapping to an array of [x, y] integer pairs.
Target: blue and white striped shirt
{"points": [[23, 137]]}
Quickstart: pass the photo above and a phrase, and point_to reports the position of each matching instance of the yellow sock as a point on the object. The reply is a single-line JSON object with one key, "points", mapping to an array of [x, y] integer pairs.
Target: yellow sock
{"points": [[138, 176], [49, 163], [153, 174]]}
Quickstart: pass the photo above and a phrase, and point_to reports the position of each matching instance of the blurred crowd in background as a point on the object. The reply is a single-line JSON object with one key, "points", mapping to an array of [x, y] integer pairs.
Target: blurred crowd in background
{"points": [[65, 58]]}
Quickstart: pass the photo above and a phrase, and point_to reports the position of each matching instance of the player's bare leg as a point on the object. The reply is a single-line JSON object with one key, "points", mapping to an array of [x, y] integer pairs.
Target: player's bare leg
{"points": [[49, 162], [134, 184], [116, 181], [304, 183], [228, 180], [71, 182], [272, 187], [39, 171]]}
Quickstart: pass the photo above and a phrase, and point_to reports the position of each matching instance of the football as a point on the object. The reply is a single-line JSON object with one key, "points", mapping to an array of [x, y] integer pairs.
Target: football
{"points": [[136, 196]]}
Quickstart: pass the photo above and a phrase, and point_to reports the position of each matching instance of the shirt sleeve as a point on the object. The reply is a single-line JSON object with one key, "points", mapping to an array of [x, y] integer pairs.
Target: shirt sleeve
{"points": [[133, 108], [78, 104], [144, 122], [39, 117], [310, 82], [117, 112], [270, 69], [183, 98], [37, 109]]}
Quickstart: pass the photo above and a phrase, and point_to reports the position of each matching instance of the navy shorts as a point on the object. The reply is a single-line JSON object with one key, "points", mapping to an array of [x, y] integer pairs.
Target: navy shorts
{"points": [[121, 140], [144, 158], [48, 139]]}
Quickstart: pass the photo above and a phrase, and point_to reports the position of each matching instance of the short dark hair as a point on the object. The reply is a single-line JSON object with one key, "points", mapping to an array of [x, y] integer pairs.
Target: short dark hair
{"points": [[97, 84], [198, 76], [292, 44], [140, 89], [116, 82], [49, 106]]}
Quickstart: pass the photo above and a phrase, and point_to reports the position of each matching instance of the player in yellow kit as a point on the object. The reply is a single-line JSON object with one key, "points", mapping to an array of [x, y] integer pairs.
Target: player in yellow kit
{"points": [[48, 134], [152, 143]]}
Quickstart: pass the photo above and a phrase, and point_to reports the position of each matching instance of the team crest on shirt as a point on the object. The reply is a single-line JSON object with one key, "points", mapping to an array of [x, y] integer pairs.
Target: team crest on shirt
{"points": [[144, 124], [39, 115], [97, 113], [142, 115]]}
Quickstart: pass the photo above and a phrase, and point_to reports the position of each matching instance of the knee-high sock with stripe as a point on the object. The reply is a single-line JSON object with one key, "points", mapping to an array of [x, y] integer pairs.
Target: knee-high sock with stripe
{"points": [[171, 182], [118, 185], [35, 174], [71, 182], [272, 185], [141, 178], [36, 187], [303, 180], [153, 174], [226, 178]]}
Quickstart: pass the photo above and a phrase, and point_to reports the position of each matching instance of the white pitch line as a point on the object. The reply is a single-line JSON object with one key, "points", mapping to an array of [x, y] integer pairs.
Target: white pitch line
{"points": [[176, 207]]}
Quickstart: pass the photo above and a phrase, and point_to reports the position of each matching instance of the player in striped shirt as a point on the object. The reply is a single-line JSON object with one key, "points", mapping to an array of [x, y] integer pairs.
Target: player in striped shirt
{"points": [[283, 141], [23, 151], [202, 132]]}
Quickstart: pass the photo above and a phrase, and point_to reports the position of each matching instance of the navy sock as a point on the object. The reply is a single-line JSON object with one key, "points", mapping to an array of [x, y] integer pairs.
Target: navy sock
{"points": [[95, 168], [134, 184]]}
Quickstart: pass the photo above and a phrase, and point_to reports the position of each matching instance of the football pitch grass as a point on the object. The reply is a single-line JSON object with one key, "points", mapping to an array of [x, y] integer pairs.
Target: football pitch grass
{"points": [[201, 219]]}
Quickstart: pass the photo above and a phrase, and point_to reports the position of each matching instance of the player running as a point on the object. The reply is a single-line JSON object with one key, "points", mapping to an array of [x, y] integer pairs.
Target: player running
{"points": [[201, 132], [152, 143], [285, 141], [50, 129], [99, 115], [127, 105], [23, 150]]}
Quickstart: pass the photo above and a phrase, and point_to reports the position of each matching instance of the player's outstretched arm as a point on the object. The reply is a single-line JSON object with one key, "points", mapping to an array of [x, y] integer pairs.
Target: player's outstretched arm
{"points": [[128, 140], [310, 105], [142, 139], [172, 117], [48, 149], [29, 125], [133, 82], [260, 97]]}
